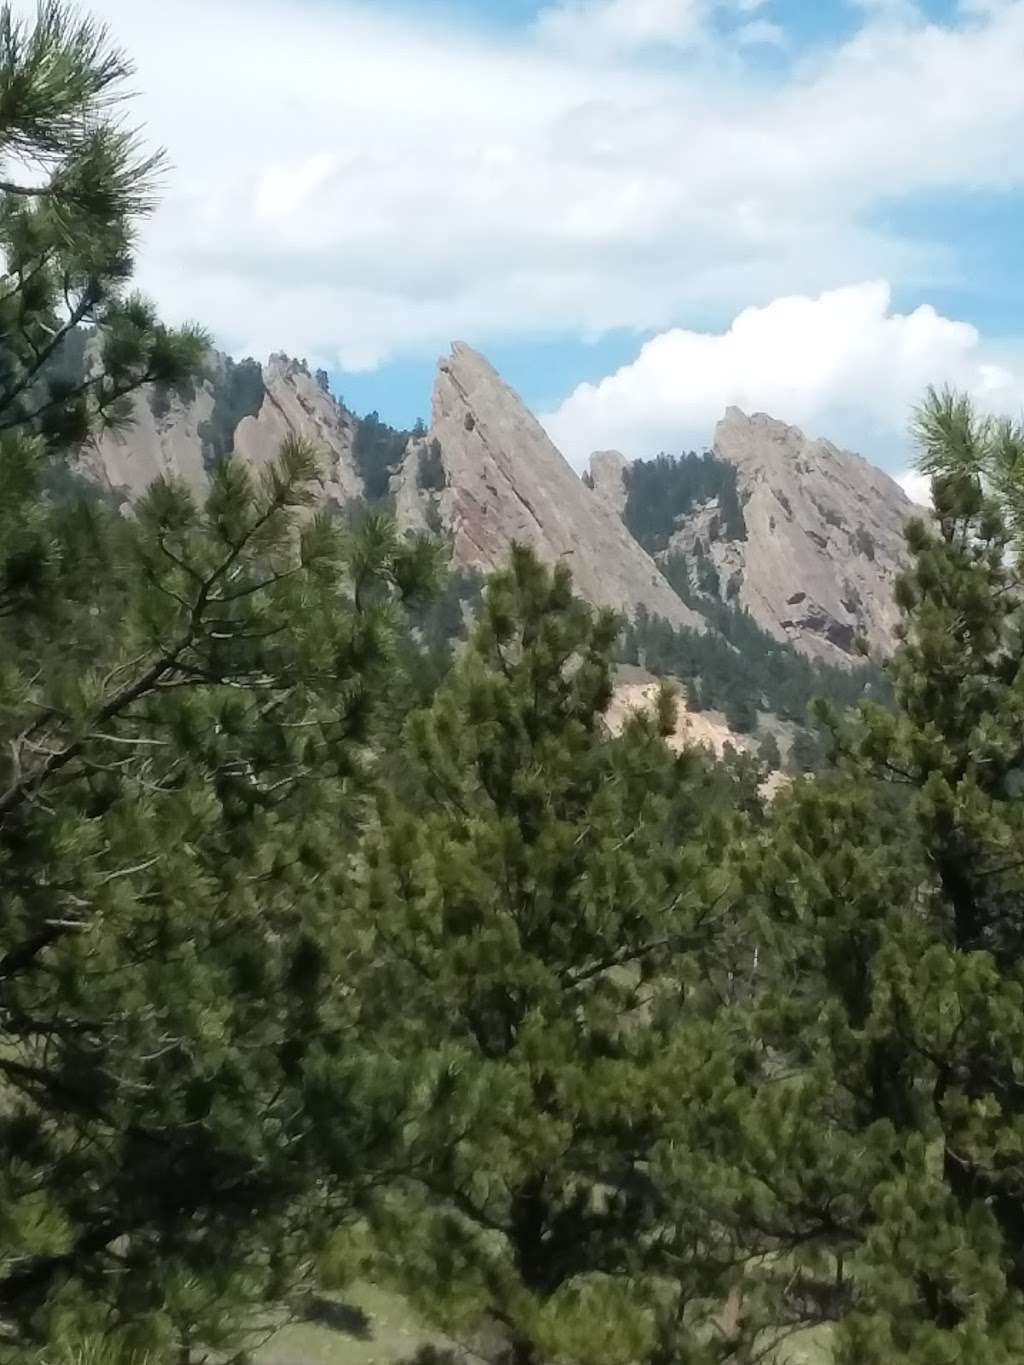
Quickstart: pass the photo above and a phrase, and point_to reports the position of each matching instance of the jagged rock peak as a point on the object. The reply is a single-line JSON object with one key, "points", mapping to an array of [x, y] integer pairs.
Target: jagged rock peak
{"points": [[502, 480], [824, 537], [296, 404], [239, 407]]}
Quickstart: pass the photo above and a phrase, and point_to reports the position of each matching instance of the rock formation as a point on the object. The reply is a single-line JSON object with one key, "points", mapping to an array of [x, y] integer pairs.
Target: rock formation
{"points": [[824, 537], [814, 566], [822, 544], [296, 405], [487, 474], [607, 478], [248, 409]]}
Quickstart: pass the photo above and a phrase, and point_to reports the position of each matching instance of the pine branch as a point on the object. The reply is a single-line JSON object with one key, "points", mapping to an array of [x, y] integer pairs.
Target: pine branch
{"points": [[31, 374], [155, 676]]}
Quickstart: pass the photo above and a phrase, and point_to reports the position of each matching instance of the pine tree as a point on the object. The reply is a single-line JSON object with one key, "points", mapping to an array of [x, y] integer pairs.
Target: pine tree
{"points": [[877, 1179], [183, 726], [769, 753], [807, 752], [545, 904], [74, 182], [188, 701]]}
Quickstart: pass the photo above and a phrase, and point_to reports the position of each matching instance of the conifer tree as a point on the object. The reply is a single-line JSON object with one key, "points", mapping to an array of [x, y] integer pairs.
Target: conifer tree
{"points": [[545, 911], [874, 1176], [188, 697], [183, 725], [74, 182]]}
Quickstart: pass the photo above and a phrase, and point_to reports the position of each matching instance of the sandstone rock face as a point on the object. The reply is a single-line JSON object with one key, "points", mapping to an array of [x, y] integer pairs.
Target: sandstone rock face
{"points": [[167, 437], [824, 538], [488, 474], [156, 444], [296, 405], [824, 528], [608, 478]]}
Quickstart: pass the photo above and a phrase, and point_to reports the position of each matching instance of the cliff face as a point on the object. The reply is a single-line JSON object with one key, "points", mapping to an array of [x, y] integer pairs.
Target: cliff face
{"points": [[824, 536], [821, 534], [487, 475], [821, 538], [247, 409], [295, 405]]}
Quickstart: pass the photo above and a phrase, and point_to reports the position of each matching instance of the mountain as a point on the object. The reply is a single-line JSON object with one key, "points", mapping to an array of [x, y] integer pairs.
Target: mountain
{"points": [[804, 537], [801, 538], [487, 474]]}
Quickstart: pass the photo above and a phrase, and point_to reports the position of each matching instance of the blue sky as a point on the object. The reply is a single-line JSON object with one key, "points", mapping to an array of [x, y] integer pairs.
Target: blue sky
{"points": [[640, 210]]}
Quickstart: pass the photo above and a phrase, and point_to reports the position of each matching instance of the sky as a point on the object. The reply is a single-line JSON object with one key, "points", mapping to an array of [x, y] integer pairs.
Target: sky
{"points": [[640, 210]]}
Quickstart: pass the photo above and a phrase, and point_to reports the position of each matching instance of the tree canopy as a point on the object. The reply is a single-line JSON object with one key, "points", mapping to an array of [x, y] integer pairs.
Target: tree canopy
{"points": [[537, 896], [332, 917], [187, 696], [875, 1182]]}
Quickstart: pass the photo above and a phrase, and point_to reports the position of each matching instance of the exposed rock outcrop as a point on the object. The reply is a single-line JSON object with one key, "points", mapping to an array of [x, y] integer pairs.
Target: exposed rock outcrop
{"points": [[296, 405], [182, 437], [161, 441], [608, 478], [823, 543], [814, 566], [488, 474]]}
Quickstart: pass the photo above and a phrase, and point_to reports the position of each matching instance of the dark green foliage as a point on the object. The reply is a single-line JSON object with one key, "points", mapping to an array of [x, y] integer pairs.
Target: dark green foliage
{"points": [[323, 380], [188, 698], [431, 473], [739, 667], [807, 752], [741, 713], [884, 1174], [237, 393], [183, 716], [434, 629], [708, 581], [536, 890], [768, 752], [444, 618], [66, 241], [662, 490], [676, 568], [378, 450]]}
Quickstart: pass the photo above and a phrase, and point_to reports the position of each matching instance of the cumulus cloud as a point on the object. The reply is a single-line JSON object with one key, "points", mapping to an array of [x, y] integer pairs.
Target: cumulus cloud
{"points": [[608, 26], [353, 183], [841, 364], [916, 486], [626, 24]]}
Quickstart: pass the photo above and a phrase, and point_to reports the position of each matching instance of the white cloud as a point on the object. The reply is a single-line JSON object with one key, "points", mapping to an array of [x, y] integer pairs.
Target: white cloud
{"points": [[608, 26], [353, 185], [627, 24], [916, 486], [842, 364]]}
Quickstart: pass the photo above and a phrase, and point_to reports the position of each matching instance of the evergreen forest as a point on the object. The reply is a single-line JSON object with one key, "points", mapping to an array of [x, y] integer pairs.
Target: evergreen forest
{"points": [[341, 939]]}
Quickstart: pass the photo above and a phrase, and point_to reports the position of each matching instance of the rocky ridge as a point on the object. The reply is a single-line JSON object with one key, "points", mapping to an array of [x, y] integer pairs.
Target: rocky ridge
{"points": [[814, 566], [181, 437], [822, 542], [487, 474]]}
